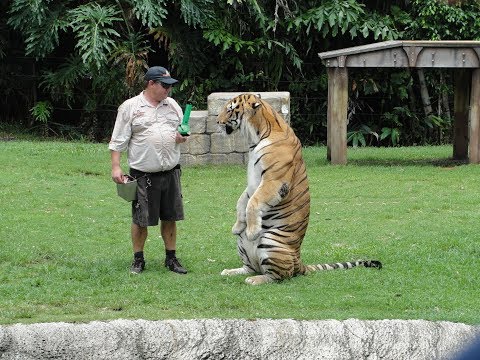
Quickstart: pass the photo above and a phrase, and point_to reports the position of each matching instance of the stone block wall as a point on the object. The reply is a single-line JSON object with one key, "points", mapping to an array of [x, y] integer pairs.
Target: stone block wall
{"points": [[209, 144]]}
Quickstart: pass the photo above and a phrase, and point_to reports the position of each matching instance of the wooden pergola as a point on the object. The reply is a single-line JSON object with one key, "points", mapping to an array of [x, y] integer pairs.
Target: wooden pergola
{"points": [[462, 56]]}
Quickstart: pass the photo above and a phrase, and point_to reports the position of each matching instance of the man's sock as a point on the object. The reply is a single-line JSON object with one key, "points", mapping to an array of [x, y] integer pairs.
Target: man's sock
{"points": [[170, 254], [138, 255]]}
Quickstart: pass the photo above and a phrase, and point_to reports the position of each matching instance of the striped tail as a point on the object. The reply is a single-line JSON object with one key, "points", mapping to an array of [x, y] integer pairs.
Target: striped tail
{"points": [[344, 265]]}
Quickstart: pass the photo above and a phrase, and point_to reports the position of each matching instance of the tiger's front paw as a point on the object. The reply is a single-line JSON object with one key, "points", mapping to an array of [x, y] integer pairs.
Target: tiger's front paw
{"points": [[253, 231], [238, 271], [238, 227]]}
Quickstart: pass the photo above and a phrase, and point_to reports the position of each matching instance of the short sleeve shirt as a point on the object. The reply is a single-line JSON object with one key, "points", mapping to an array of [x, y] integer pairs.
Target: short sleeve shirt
{"points": [[148, 133]]}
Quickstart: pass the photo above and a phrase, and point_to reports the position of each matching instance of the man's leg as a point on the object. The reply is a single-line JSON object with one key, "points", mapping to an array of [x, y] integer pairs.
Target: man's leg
{"points": [[168, 229], [139, 236]]}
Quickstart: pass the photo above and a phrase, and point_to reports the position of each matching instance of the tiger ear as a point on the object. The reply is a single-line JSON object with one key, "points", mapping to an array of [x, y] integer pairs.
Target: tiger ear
{"points": [[256, 105], [259, 95]]}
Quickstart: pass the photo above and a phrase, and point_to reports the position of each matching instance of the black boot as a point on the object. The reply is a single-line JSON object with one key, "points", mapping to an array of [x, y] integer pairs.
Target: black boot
{"points": [[138, 264], [174, 265]]}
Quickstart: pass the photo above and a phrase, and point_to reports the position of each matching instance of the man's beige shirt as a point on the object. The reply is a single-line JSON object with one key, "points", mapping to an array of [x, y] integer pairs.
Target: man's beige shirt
{"points": [[148, 133]]}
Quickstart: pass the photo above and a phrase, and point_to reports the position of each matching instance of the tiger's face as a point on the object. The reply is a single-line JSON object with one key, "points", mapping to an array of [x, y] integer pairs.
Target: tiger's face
{"points": [[238, 111]]}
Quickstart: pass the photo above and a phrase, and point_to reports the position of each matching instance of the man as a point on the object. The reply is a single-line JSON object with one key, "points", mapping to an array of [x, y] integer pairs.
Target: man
{"points": [[146, 127]]}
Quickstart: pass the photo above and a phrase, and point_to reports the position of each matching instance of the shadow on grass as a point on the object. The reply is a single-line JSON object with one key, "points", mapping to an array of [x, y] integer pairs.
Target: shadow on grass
{"points": [[436, 162], [385, 162]]}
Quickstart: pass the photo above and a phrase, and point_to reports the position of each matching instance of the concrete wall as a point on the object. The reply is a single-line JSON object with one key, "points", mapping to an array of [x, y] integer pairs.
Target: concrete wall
{"points": [[237, 339], [208, 143]]}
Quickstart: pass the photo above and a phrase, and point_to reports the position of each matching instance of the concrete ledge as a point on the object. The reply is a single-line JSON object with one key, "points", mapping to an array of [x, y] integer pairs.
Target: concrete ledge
{"points": [[208, 143], [236, 339], [279, 100]]}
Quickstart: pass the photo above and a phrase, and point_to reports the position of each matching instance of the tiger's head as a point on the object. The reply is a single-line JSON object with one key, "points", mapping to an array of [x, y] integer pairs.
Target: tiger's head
{"points": [[238, 111]]}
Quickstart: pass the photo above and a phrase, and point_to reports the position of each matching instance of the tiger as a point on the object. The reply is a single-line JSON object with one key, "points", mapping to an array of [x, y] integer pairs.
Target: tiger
{"points": [[274, 209]]}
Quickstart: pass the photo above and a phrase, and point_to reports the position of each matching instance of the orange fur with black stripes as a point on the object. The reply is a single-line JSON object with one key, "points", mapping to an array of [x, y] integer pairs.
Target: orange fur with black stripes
{"points": [[274, 209]]}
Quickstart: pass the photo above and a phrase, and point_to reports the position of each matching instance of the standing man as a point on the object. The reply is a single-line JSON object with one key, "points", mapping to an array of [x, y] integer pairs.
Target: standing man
{"points": [[146, 127]]}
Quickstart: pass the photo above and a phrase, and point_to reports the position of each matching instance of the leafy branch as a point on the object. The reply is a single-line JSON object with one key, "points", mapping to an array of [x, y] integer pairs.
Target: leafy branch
{"points": [[93, 26]]}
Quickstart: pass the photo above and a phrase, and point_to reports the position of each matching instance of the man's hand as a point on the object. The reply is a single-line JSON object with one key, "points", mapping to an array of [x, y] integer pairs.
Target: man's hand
{"points": [[117, 173], [179, 138]]}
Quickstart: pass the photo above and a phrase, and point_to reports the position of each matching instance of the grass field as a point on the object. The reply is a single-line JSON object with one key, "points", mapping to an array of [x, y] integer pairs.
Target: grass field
{"points": [[65, 249]]}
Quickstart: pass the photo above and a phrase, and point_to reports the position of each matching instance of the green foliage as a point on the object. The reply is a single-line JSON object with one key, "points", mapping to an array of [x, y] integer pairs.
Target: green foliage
{"points": [[332, 18], [257, 44], [438, 20], [26, 12], [248, 45], [42, 111], [41, 22], [433, 121], [150, 14], [329, 18], [398, 84], [381, 26], [391, 134], [62, 82], [357, 137], [133, 52], [395, 120], [225, 40], [383, 128], [93, 26], [197, 12]]}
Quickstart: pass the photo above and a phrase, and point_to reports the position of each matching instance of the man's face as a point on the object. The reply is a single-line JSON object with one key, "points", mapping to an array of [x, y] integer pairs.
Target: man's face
{"points": [[160, 90]]}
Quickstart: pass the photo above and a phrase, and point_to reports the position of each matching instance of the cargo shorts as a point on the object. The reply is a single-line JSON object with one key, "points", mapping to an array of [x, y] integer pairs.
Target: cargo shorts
{"points": [[159, 197]]}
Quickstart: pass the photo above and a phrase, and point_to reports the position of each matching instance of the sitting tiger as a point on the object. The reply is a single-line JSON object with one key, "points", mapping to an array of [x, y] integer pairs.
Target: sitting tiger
{"points": [[273, 211]]}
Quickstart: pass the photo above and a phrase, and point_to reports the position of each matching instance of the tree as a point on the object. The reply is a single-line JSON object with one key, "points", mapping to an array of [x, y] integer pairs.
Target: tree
{"points": [[227, 45], [106, 46]]}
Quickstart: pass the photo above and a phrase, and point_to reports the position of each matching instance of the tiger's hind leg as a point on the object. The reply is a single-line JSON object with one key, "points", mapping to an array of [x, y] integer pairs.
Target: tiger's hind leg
{"points": [[244, 249], [273, 268]]}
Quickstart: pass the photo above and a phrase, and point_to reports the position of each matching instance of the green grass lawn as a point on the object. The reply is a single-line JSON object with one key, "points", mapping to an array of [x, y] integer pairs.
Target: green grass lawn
{"points": [[65, 247]]}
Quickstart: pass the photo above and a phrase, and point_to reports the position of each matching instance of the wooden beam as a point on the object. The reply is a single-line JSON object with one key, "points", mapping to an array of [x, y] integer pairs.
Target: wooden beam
{"points": [[460, 104], [474, 118], [419, 54], [337, 115]]}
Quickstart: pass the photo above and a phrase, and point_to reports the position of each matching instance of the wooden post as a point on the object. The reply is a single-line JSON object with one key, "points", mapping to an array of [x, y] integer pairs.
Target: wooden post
{"points": [[474, 118], [460, 103], [337, 115]]}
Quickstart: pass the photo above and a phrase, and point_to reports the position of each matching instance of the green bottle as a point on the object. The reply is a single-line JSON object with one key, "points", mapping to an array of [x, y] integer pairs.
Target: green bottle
{"points": [[184, 128]]}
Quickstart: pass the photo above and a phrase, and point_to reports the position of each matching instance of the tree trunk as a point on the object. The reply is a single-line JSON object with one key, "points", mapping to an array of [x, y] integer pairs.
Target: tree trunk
{"points": [[443, 104], [427, 106]]}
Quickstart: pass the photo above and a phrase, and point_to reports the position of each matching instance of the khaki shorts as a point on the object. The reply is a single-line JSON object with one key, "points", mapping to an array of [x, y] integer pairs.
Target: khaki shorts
{"points": [[159, 197]]}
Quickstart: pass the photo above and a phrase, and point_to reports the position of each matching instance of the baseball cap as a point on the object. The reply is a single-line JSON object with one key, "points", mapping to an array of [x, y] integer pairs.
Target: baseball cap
{"points": [[159, 73]]}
